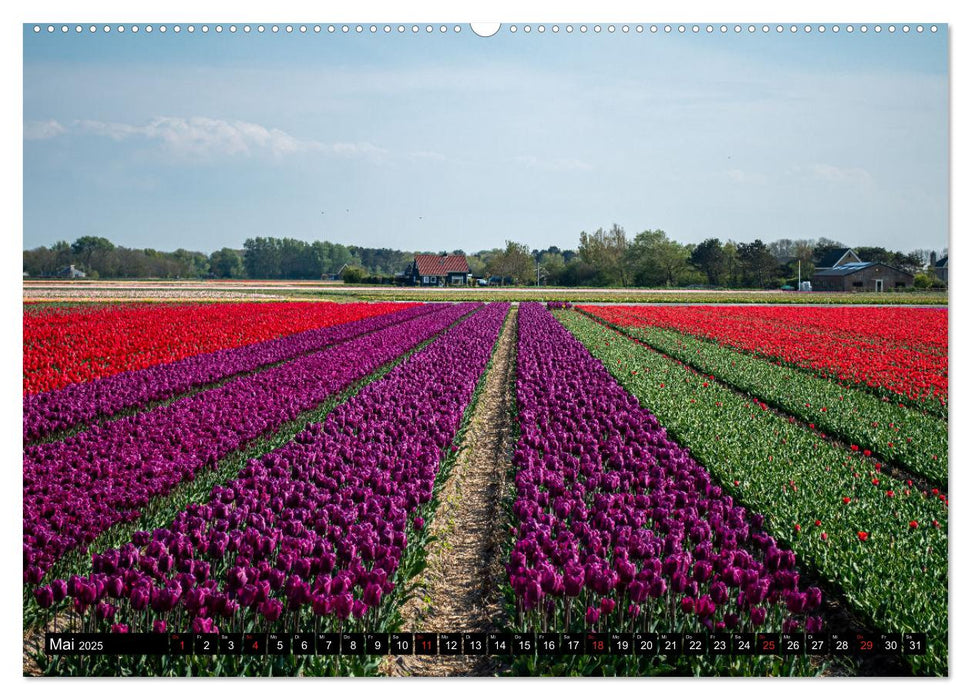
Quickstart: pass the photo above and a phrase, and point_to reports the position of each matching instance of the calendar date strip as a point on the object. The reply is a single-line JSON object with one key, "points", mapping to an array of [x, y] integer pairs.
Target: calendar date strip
{"points": [[858, 644]]}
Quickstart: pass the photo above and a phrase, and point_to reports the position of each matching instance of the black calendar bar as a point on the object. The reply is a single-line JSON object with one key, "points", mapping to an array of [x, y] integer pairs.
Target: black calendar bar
{"points": [[852, 643]]}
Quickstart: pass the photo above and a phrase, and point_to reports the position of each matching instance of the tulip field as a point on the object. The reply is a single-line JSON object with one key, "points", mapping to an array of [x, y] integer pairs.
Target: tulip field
{"points": [[278, 468]]}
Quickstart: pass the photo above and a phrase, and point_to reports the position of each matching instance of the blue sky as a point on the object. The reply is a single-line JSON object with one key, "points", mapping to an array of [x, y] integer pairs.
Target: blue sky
{"points": [[447, 141]]}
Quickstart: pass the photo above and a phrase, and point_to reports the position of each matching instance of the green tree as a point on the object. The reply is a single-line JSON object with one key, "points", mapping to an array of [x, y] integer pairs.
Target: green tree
{"points": [[514, 261], [352, 274], [196, 264], [261, 258], [226, 263], [87, 247], [656, 260], [606, 252], [759, 264], [709, 257]]}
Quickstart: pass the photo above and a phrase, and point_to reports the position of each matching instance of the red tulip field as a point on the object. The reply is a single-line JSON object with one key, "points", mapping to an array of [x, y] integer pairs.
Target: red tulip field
{"points": [[313, 488]]}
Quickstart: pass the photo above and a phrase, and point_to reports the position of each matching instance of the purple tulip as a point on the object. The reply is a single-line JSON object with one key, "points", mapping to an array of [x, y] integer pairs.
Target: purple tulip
{"points": [[44, 596], [271, 609], [705, 607], [204, 625], [342, 605], [592, 616], [757, 616]]}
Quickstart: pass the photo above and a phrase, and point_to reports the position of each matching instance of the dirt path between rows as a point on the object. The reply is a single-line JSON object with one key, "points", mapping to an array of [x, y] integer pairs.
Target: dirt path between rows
{"points": [[460, 589]]}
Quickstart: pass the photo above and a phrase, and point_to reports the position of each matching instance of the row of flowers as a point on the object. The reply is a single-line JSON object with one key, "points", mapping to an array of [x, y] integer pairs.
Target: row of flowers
{"points": [[309, 536], [879, 540], [880, 428], [80, 404], [617, 527], [898, 352], [79, 345], [76, 488]]}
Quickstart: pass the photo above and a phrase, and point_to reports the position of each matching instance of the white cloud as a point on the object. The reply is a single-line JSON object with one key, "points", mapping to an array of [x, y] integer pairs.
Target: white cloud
{"points": [[834, 174], [37, 131], [204, 137]]}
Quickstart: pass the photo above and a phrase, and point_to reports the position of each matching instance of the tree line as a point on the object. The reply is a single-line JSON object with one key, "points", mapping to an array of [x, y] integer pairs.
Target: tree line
{"points": [[603, 258]]}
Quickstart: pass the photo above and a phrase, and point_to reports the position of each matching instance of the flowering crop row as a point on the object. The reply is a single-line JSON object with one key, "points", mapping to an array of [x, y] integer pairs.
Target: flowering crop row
{"points": [[880, 541], [867, 360], [876, 426], [311, 535], [78, 487], [617, 526], [62, 348], [919, 329], [79, 404]]}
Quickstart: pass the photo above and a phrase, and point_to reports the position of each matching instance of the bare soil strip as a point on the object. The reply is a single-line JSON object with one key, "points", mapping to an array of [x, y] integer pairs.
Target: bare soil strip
{"points": [[460, 589]]}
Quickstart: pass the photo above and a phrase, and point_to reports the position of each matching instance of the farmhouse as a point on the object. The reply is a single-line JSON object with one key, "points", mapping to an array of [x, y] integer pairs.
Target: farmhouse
{"points": [[940, 269], [837, 258], [438, 270], [860, 277]]}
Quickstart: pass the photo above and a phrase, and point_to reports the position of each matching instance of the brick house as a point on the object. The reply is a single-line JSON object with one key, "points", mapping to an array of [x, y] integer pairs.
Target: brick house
{"points": [[438, 271], [861, 277]]}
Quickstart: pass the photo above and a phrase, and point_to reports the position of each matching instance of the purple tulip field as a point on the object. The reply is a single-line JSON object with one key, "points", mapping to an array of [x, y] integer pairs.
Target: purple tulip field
{"points": [[648, 486]]}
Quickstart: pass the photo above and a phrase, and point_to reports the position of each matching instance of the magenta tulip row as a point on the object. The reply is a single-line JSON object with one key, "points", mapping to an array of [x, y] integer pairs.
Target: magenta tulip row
{"points": [[315, 529], [76, 488], [616, 521]]}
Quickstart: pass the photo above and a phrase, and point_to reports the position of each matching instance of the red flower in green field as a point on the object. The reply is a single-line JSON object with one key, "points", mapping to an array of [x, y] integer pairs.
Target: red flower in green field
{"points": [[855, 448], [866, 453], [846, 499], [913, 524], [862, 535], [876, 482], [818, 523], [889, 494], [824, 537], [798, 527]]}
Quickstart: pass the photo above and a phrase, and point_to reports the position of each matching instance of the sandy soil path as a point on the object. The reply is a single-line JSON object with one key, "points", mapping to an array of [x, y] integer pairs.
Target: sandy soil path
{"points": [[460, 589]]}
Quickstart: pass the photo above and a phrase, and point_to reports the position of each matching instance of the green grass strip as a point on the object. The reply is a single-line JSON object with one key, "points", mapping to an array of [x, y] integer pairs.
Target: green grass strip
{"points": [[896, 578]]}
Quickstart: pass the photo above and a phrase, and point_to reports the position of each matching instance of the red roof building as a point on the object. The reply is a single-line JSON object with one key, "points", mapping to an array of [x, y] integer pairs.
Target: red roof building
{"points": [[438, 270]]}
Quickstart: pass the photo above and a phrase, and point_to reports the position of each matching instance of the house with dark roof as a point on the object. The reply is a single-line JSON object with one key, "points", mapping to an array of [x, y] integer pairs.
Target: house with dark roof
{"points": [[940, 269], [860, 277], [836, 258], [438, 270]]}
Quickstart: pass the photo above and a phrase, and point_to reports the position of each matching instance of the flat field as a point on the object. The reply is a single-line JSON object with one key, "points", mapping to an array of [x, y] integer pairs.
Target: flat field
{"points": [[535, 489]]}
